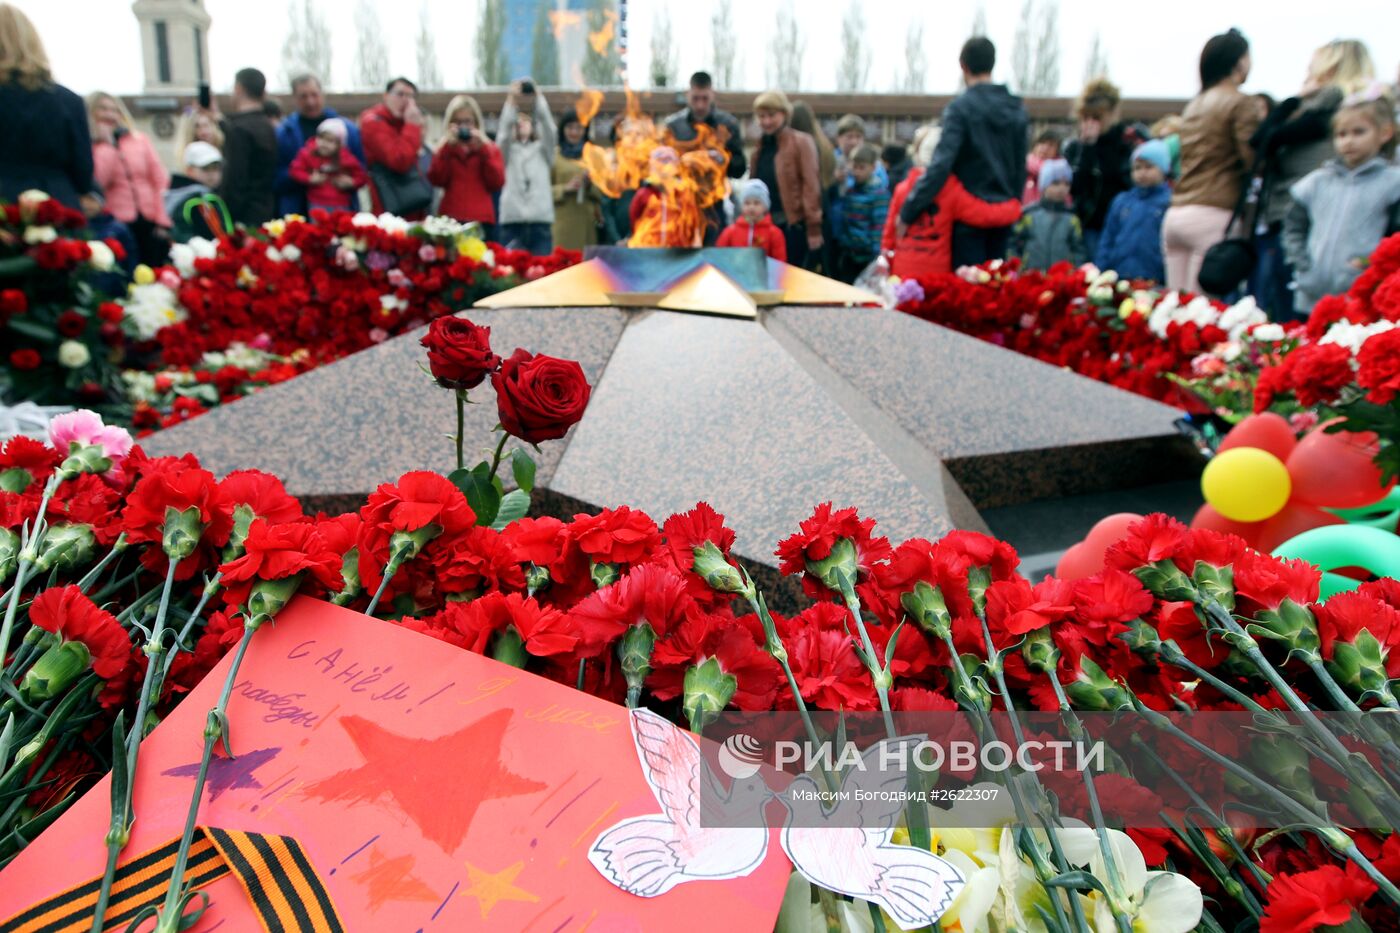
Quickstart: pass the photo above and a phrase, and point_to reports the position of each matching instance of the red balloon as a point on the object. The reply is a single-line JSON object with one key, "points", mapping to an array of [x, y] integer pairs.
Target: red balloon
{"points": [[1292, 520], [1267, 431], [1336, 471], [1206, 517], [1109, 530], [1079, 562]]}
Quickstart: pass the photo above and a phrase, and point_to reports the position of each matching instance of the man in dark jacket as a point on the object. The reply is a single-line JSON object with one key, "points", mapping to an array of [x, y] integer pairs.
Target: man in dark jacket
{"points": [[983, 143], [700, 101], [250, 152], [295, 130], [45, 142]]}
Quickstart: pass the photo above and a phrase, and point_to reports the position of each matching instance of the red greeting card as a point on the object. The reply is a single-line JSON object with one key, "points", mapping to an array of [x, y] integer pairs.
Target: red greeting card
{"points": [[430, 789]]}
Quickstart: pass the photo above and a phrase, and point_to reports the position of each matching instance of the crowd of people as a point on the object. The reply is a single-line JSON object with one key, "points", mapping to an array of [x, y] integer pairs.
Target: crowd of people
{"points": [[1238, 193]]}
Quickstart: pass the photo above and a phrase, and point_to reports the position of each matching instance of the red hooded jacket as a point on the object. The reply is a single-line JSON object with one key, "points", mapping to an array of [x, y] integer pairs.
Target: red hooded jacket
{"points": [[388, 141], [764, 234], [927, 246], [326, 194], [468, 176]]}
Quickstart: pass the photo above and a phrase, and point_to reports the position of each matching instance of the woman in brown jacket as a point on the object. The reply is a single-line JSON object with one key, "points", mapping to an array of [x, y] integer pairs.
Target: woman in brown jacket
{"points": [[786, 161], [1215, 159]]}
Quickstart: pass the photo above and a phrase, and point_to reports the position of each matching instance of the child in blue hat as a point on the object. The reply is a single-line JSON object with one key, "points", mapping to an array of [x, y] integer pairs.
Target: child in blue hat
{"points": [[1131, 244]]}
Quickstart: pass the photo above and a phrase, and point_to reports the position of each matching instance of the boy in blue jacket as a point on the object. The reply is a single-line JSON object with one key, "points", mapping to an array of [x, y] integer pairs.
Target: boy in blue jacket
{"points": [[860, 215], [1131, 243]]}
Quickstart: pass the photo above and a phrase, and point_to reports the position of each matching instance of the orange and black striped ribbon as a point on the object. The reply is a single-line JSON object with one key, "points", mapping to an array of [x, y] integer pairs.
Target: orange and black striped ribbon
{"points": [[285, 890]]}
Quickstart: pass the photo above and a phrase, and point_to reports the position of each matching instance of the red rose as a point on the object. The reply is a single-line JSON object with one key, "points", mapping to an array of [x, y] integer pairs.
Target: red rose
{"points": [[66, 611], [111, 312], [539, 397], [12, 302], [70, 323], [459, 353], [25, 359]]}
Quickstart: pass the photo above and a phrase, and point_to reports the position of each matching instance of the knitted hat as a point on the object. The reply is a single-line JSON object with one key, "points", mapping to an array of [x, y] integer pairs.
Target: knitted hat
{"points": [[773, 100], [1156, 152], [850, 123], [756, 190], [333, 126], [200, 154], [1053, 170]]}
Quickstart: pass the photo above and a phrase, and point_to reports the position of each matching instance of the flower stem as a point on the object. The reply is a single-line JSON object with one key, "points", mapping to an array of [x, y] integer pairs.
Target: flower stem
{"points": [[461, 428], [122, 815], [389, 570], [500, 451], [168, 920]]}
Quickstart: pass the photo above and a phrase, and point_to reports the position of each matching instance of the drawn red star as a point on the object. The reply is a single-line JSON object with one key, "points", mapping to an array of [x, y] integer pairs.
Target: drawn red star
{"points": [[438, 783]]}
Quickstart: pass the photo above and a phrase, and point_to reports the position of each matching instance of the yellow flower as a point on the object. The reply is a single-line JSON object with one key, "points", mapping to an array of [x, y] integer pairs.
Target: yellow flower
{"points": [[471, 247], [143, 275], [275, 227], [1127, 309]]}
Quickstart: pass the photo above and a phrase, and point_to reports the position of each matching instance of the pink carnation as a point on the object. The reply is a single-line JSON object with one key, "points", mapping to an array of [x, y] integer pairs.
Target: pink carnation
{"points": [[87, 429]]}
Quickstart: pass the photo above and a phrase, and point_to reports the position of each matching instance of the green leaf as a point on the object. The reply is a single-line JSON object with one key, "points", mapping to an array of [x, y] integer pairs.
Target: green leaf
{"points": [[16, 266], [481, 495], [1078, 880], [33, 329], [524, 469], [514, 504]]}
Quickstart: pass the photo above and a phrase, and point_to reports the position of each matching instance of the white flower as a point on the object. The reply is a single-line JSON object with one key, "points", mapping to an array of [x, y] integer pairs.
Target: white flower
{"points": [[488, 258], [1242, 315], [45, 234], [392, 303], [438, 226], [1352, 336], [29, 202], [364, 219], [102, 258], [1090, 272], [273, 254], [389, 223], [1229, 351], [1159, 901], [183, 255], [149, 308], [291, 253], [1268, 333], [73, 355]]}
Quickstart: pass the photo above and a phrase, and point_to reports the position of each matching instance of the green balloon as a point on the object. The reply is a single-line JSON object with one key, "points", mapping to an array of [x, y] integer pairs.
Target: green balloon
{"points": [[1383, 514], [1336, 546]]}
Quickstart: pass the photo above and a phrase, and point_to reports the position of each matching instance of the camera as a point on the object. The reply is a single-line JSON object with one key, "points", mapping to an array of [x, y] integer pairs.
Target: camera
{"points": [[464, 133], [527, 86]]}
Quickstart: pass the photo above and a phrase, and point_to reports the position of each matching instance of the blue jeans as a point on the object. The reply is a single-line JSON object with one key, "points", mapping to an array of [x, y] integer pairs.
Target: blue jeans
{"points": [[536, 239], [1269, 282]]}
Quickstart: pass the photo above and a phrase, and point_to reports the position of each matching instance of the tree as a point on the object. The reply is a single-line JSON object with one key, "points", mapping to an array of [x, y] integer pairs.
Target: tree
{"points": [[854, 68], [490, 47], [544, 50], [1035, 58], [979, 20], [429, 75], [307, 48], [912, 78], [663, 49], [371, 51], [1096, 65], [723, 34], [786, 51], [602, 63]]}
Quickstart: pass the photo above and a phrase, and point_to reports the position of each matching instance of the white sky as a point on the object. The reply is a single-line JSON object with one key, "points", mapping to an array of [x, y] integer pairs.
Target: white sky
{"points": [[1152, 46]]}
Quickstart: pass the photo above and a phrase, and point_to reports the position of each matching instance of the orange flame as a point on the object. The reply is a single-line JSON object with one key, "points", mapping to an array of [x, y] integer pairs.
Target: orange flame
{"points": [[679, 182], [588, 105], [602, 38], [563, 20]]}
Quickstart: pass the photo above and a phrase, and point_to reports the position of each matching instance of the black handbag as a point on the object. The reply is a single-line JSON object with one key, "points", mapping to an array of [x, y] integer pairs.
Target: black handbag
{"points": [[401, 193], [1229, 262]]}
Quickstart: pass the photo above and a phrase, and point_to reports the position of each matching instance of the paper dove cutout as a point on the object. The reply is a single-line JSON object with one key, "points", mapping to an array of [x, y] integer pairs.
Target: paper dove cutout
{"points": [[649, 855]]}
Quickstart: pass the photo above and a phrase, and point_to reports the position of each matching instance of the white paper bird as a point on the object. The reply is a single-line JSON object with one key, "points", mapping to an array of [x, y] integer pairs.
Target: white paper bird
{"points": [[649, 855], [848, 849]]}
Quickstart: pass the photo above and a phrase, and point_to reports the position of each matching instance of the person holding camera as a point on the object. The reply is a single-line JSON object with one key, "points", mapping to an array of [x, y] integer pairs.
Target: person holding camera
{"points": [[467, 166], [527, 146]]}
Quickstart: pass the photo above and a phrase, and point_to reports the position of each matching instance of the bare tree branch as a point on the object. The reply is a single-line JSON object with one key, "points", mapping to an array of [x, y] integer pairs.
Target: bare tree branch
{"points": [[371, 51], [663, 48], [722, 34], [429, 75], [854, 69], [490, 50], [786, 50], [307, 48]]}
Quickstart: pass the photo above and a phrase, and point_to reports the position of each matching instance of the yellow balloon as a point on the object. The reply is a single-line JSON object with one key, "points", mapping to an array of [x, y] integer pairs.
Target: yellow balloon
{"points": [[1246, 484]]}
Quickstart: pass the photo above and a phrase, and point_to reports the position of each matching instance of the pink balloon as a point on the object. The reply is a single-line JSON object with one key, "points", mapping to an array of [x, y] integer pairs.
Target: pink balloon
{"points": [[1109, 530], [1266, 431], [1336, 471], [1292, 520], [1207, 517], [1079, 562]]}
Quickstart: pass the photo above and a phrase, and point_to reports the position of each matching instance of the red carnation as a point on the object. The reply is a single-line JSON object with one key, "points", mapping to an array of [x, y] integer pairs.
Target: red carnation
{"points": [[25, 360], [1263, 582], [819, 534], [418, 500], [262, 493], [649, 593], [1015, 607], [277, 552], [110, 312], [615, 536], [1379, 370], [26, 453], [174, 484], [539, 397], [823, 659], [12, 302], [1346, 615], [477, 561], [1319, 372], [1156, 537], [70, 323], [1304, 901], [67, 612], [544, 631], [459, 353]]}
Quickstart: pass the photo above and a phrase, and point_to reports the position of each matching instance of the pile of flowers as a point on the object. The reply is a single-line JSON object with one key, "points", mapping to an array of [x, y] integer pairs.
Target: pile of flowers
{"points": [[129, 576], [227, 317], [1090, 321], [61, 336]]}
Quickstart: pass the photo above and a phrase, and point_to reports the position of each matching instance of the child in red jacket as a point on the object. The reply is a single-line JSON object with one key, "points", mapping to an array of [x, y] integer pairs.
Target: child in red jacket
{"points": [[754, 228], [328, 169], [927, 246]]}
